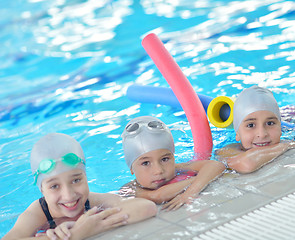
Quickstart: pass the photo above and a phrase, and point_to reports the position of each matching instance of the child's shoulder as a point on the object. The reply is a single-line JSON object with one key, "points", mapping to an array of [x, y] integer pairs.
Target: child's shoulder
{"points": [[28, 221], [34, 208], [34, 212]]}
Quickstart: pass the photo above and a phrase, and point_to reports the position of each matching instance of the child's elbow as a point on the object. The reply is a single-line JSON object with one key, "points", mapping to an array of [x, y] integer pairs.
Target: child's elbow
{"points": [[157, 197], [249, 168], [149, 208], [245, 170], [221, 166], [152, 209], [218, 165]]}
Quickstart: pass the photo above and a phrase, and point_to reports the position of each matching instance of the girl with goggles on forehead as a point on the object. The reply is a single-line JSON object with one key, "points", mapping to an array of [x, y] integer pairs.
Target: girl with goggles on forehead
{"points": [[149, 153], [67, 209]]}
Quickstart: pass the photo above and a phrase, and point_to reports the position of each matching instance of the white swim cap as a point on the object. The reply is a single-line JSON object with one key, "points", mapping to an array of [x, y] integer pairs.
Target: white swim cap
{"points": [[53, 154], [251, 100], [145, 134]]}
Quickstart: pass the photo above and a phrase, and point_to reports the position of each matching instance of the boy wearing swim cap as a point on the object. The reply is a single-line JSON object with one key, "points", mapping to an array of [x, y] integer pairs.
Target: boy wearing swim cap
{"points": [[67, 209], [257, 123], [149, 153]]}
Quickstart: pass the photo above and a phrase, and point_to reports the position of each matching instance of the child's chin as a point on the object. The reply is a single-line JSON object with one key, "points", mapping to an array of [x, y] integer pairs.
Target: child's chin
{"points": [[152, 187]]}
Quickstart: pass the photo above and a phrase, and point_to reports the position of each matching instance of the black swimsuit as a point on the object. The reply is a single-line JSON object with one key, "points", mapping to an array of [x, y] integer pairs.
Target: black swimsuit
{"points": [[45, 209]]}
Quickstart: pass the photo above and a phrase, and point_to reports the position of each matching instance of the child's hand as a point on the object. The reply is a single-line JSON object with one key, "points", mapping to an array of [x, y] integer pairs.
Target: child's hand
{"points": [[94, 222], [178, 201], [62, 231]]}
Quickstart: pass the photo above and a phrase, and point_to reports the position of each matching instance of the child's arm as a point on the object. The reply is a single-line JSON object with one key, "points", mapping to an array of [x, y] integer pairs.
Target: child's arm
{"points": [[62, 231], [137, 209], [28, 223], [253, 159], [94, 222], [208, 170], [89, 224], [117, 212], [121, 212], [164, 193]]}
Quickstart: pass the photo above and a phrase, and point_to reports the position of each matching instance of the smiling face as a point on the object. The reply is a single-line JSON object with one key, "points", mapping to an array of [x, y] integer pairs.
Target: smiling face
{"points": [[66, 193], [155, 168], [259, 129]]}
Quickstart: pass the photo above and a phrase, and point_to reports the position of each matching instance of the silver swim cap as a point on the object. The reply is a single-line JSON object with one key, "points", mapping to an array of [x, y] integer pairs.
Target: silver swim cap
{"points": [[251, 100], [145, 134], [53, 154]]}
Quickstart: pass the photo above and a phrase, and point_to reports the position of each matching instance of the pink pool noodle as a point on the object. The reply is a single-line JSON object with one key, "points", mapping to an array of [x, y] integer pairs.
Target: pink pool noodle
{"points": [[184, 92]]}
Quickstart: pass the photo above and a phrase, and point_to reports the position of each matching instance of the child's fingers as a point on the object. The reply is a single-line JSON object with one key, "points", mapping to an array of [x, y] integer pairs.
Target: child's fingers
{"points": [[108, 218], [112, 217], [51, 234], [114, 221], [65, 228], [168, 206], [108, 212], [176, 206], [117, 219], [172, 201], [173, 204], [60, 233], [91, 211], [117, 223]]}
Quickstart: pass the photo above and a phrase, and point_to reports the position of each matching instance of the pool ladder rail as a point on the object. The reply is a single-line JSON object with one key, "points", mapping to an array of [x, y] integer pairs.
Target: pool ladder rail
{"points": [[273, 221]]}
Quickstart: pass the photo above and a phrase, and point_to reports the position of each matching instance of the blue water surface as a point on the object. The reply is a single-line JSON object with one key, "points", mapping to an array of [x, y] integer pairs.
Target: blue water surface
{"points": [[65, 66]]}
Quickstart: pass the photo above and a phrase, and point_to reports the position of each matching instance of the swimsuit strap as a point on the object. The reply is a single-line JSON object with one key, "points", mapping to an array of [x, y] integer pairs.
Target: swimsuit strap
{"points": [[87, 205], [45, 209]]}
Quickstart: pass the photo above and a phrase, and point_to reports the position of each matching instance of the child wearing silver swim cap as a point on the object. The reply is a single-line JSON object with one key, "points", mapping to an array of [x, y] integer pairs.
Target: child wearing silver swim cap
{"points": [[149, 153], [257, 123], [252, 100], [58, 166], [145, 134]]}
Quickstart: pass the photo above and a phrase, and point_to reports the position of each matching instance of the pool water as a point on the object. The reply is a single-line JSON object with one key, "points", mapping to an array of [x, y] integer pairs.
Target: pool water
{"points": [[66, 65]]}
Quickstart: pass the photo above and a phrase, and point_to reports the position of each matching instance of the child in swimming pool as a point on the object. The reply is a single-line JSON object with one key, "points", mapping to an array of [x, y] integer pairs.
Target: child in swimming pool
{"points": [[257, 123], [58, 164], [149, 153]]}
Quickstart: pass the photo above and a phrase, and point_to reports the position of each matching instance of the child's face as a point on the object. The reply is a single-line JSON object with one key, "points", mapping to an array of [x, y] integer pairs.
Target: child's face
{"points": [[259, 129], [154, 169], [66, 193]]}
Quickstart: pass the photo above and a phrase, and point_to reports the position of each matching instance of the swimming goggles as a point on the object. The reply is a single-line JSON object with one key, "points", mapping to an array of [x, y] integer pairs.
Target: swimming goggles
{"points": [[134, 128], [47, 165]]}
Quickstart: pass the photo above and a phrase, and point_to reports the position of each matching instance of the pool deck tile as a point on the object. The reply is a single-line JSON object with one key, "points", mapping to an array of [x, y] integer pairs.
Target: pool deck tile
{"points": [[228, 197]]}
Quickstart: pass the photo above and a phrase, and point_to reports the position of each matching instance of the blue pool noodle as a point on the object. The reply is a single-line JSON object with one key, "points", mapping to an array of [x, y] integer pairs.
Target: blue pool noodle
{"points": [[165, 96]]}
